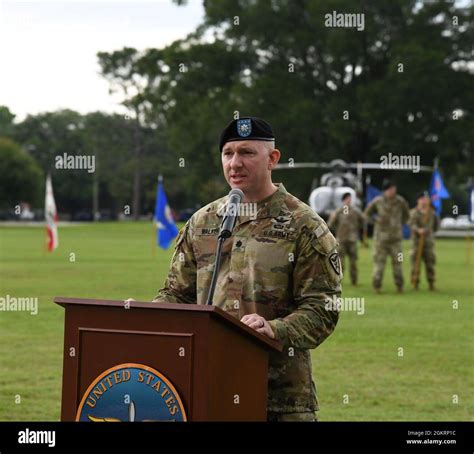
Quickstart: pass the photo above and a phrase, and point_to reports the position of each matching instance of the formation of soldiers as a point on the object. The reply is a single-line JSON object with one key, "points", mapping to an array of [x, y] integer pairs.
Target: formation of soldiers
{"points": [[388, 213]]}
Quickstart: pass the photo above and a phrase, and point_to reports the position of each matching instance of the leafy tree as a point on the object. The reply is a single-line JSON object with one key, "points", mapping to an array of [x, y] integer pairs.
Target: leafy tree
{"points": [[48, 135], [110, 139], [400, 80], [6, 122], [21, 176]]}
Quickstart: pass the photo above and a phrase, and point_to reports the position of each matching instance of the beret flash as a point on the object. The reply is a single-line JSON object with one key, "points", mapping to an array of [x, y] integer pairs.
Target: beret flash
{"points": [[247, 128]]}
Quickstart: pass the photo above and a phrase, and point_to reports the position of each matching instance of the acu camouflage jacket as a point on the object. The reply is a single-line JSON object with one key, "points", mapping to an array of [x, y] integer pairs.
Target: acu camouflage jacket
{"points": [[282, 264]]}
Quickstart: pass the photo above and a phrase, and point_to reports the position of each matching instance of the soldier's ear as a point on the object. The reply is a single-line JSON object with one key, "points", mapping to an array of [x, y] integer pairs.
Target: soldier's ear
{"points": [[274, 158]]}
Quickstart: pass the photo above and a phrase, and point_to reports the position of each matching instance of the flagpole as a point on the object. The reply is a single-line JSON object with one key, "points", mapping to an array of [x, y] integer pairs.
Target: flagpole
{"points": [[468, 249], [153, 225], [470, 207], [45, 242], [153, 238], [365, 231], [154, 228], [421, 244], [153, 235]]}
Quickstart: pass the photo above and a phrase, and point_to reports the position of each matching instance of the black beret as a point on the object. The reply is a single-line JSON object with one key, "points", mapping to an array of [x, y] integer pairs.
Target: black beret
{"points": [[247, 128], [387, 184]]}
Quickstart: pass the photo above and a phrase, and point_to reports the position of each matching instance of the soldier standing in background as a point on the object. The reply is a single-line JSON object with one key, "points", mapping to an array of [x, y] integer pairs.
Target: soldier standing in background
{"points": [[423, 224], [347, 222], [391, 212]]}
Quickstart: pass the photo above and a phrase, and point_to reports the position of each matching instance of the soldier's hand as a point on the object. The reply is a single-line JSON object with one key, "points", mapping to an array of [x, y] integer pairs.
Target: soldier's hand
{"points": [[259, 324], [421, 231]]}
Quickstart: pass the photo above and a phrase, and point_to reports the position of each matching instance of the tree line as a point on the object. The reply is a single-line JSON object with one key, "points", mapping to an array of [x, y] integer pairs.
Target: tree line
{"points": [[402, 85]]}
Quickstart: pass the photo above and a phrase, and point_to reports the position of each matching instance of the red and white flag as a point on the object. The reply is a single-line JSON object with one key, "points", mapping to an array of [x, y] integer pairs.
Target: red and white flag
{"points": [[51, 216]]}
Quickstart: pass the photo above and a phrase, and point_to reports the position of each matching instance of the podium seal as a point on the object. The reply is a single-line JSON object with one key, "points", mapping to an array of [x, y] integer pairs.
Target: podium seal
{"points": [[131, 392]]}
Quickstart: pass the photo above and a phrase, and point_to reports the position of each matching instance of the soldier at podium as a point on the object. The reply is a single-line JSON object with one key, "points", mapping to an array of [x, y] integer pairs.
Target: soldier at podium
{"points": [[279, 270]]}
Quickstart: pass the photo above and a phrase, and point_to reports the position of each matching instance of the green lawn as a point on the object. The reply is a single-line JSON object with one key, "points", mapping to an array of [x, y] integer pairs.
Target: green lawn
{"points": [[360, 360]]}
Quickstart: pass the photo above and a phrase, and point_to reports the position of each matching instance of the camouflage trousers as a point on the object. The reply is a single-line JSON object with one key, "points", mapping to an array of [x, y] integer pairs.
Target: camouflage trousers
{"points": [[428, 257], [291, 417], [382, 249], [349, 249]]}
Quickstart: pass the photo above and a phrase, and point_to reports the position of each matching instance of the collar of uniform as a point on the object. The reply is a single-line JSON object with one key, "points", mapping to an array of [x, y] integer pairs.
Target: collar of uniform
{"points": [[271, 206], [266, 208]]}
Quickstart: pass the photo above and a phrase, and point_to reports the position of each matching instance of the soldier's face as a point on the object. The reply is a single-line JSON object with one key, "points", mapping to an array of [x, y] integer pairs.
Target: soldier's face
{"points": [[247, 164], [423, 202], [390, 192]]}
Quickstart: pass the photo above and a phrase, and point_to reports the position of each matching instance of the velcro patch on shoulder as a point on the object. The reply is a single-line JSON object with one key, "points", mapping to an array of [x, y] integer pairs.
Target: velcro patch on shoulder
{"points": [[324, 244], [320, 230]]}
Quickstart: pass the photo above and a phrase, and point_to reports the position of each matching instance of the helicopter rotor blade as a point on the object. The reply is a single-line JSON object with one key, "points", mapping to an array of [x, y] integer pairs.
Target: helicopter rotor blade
{"points": [[303, 165], [325, 165]]}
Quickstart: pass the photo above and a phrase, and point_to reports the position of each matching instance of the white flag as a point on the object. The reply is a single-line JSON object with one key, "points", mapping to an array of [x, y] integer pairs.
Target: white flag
{"points": [[51, 216]]}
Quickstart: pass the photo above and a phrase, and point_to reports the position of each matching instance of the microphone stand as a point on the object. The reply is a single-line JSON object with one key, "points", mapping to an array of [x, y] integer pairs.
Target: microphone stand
{"points": [[227, 226], [220, 242]]}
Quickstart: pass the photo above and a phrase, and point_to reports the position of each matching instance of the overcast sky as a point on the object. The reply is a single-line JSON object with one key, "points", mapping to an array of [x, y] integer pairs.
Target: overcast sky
{"points": [[48, 49]]}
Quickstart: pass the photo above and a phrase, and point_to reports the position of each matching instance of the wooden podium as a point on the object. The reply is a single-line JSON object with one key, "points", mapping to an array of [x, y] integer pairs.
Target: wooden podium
{"points": [[217, 365]]}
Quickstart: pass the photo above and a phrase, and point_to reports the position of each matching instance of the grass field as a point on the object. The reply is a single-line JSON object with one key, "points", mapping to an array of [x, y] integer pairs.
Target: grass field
{"points": [[359, 362]]}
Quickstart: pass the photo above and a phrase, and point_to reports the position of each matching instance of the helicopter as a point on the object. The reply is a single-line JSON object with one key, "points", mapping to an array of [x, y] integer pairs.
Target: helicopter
{"points": [[326, 195]]}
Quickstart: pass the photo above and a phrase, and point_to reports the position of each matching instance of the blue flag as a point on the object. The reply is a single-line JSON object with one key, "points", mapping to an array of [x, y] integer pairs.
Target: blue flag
{"points": [[371, 193], [166, 228], [437, 191]]}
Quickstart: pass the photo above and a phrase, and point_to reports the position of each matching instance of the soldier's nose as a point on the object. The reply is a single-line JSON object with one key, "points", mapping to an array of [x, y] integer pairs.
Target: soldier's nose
{"points": [[235, 163]]}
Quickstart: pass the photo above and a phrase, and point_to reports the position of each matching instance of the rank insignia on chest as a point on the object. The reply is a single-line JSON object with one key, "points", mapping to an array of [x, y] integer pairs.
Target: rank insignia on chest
{"points": [[239, 244]]}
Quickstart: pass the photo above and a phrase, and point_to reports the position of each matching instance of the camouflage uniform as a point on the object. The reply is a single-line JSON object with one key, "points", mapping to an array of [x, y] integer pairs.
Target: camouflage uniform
{"points": [[292, 417], [391, 213], [347, 222], [282, 265], [430, 223]]}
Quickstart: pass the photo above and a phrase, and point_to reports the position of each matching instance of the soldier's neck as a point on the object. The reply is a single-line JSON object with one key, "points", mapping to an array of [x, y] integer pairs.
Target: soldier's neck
{"points": [[261, 195]]}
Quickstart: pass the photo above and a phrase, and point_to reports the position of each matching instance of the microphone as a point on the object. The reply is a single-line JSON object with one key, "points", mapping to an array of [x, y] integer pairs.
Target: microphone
{"points": [[228, 223]]}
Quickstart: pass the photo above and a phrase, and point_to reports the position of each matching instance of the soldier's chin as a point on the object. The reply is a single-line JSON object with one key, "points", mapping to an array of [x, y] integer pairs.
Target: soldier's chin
{"points": [[240, 183]]}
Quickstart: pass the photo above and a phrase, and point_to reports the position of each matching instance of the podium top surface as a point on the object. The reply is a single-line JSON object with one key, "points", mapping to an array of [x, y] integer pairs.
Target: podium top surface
{"points": [[214, 311]]}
